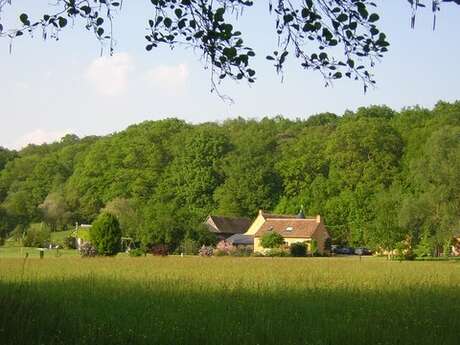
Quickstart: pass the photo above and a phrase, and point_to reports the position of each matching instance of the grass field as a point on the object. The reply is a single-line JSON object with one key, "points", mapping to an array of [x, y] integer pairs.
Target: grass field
{"points": [[193, 300]]}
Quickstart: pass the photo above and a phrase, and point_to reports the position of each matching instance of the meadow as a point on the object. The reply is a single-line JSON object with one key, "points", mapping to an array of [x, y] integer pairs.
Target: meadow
{"points": [[193, 300]]}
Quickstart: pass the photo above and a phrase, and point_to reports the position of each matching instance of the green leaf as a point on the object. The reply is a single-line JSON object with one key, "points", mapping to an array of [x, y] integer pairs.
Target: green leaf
{"points": [[62, 22], [342, 17], [24, 18], [167, 22], [373, 17]]}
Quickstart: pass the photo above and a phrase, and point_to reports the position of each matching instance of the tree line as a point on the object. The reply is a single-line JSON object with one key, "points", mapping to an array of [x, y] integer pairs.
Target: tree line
{"points": [[380, 178]]}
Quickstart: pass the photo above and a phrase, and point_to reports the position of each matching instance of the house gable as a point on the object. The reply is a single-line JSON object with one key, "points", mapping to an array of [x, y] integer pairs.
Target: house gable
{"points": [[227, 225]]}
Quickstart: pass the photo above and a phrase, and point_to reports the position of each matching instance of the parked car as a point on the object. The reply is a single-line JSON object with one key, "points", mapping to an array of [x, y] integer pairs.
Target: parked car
{"points": [[342, 250], [362, 251]]}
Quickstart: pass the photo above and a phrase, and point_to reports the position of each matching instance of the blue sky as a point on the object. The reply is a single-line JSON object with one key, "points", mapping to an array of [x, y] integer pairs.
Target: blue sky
{"points": [[50, 88]]}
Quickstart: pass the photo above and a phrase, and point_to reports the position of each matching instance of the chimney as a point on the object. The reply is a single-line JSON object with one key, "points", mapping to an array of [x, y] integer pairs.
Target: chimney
{"points": [[318, 218]]}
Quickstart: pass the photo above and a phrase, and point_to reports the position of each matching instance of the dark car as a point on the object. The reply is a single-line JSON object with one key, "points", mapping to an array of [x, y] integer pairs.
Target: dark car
{"points": [[343, 250], [362, 251]]}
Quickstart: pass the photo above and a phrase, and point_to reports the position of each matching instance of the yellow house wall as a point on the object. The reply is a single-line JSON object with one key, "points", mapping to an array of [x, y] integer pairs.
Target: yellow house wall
{"points": [[288, 241], [255, 225], [320, 236]]}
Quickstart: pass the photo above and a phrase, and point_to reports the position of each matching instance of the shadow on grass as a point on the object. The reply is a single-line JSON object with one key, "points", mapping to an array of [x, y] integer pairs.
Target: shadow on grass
{"points": [[103, 311]]}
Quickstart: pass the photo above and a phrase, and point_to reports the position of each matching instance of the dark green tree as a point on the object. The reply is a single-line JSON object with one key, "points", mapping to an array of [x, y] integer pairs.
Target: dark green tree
{"points": [[271, 240], [105, 234]]}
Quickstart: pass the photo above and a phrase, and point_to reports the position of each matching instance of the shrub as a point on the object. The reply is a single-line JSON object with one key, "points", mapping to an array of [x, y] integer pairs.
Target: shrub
{"points": [[225, 247], [277, 252], [271, 240], [88, 250], [106, 234], [298, 249], [206, 251], [219, 252], [37, 235], [314, 248], [189, 247], [159, 250], [240, 252], [424, 248], [136, 252], [70, 242]]}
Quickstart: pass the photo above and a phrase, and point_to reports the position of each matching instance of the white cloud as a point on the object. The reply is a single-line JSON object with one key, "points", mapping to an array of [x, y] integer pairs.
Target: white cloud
{"points": [[40, 136], [109, 75], [169, 77]]}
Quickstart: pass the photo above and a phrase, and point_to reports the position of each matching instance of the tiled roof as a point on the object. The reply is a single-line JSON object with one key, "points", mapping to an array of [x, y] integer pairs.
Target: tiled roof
{"points": [[230, 225], [289, 227], [240, 239]]}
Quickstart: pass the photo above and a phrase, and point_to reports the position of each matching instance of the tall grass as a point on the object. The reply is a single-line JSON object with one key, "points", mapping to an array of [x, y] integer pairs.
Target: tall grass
{"points": [[238, 301]]}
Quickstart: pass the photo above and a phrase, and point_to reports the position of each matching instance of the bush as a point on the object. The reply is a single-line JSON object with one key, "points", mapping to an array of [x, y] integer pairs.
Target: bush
{"points": [[88, 250], [272, 240], [225, 247], [206, 251], [189, 247], [70, 242], [240, 252], [219, 252], [277, 252], [37, 235], [106, 234], [314, 248], [159, 250], [298, 249], [136, 252]]}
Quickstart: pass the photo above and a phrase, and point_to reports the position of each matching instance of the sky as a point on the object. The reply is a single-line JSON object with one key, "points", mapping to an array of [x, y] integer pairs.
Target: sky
{"points": [[49, 88]]}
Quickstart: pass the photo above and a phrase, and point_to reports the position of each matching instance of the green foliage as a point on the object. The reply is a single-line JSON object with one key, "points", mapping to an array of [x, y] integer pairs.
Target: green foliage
{"points": [[189, 247], [343, 37], [106, 234], [376, 176], [298, 249], [277, 252], [37, 235], [424, 247], [70, 242], [127, 213], [314, 248], [271, 240], [137, 252]]}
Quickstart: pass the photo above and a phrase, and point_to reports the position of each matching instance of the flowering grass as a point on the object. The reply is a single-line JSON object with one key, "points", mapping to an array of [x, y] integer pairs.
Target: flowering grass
{"points": [[193, 300]]}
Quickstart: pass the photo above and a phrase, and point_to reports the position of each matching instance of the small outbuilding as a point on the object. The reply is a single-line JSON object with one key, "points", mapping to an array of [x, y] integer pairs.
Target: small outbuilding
{"points": [[224, 227]]}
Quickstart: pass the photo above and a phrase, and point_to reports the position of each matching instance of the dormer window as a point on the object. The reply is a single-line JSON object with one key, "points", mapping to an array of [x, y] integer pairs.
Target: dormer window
{"points": [[289, 228]]}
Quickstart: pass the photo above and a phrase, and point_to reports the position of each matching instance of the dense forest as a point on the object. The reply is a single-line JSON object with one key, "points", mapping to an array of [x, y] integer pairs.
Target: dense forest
{"points": [[380, 178]]}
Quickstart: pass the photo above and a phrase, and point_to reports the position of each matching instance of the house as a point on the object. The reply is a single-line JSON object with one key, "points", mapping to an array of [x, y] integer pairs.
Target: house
{"points": [[224, 227], [293, 228], [456, 244], [81, 234]]}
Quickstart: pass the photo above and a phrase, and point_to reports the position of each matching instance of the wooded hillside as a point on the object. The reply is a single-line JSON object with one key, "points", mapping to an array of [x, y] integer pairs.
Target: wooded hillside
{"points": [[378, 177]]}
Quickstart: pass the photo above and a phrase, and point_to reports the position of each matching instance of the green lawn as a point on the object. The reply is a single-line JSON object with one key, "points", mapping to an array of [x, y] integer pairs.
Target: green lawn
{"points": [[193, 300], [59, 236], [20, 252]]}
